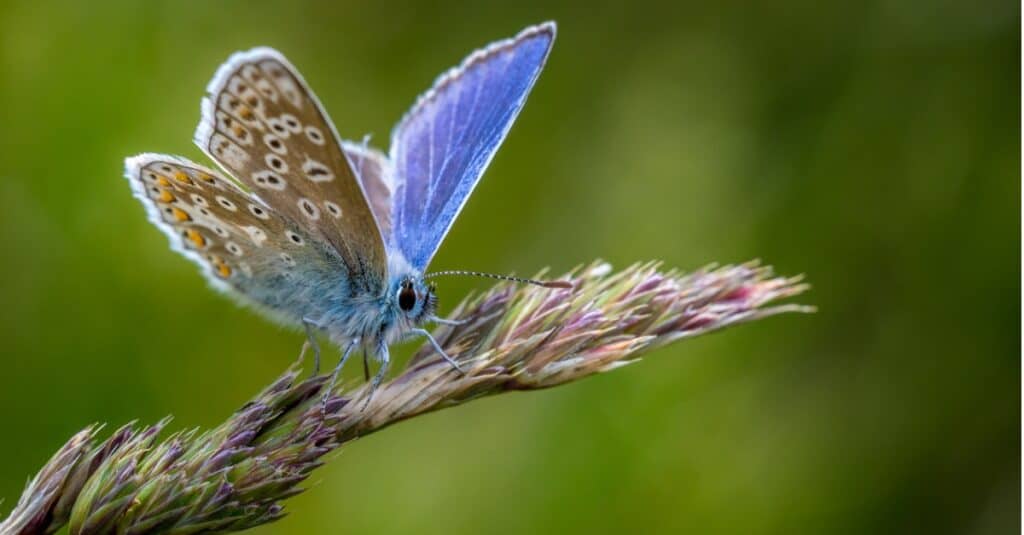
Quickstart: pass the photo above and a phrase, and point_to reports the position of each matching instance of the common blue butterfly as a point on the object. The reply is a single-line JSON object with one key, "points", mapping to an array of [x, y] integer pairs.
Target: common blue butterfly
{"points": [[330, 234]]}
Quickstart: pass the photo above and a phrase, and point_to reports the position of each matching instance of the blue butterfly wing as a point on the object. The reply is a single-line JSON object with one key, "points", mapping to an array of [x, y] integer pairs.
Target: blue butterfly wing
{"points": [[443, 145]]}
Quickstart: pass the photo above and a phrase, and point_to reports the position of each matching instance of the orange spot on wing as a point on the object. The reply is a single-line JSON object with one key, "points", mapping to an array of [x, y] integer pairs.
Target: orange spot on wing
{"points": [[195, 238], [240, 132], [206, 178], [182, 177], [165, 196], [245, 113], [180, 214], [223, 270], [163, 182]]}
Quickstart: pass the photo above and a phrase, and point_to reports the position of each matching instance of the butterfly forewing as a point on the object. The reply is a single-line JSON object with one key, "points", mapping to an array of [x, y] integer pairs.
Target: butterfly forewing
{"points": [[242, 245], [263, 125], [442, 146]]}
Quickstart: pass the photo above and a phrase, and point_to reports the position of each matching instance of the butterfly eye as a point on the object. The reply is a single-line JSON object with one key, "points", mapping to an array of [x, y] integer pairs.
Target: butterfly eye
{"points": [[406, 297]]}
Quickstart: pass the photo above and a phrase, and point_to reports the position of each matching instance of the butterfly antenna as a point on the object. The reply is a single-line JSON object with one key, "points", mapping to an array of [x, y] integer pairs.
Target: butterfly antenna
{"points": [[535, 282]]}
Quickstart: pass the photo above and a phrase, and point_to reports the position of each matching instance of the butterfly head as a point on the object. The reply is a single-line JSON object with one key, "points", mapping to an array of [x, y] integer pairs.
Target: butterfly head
{"points": [[415, 298]]}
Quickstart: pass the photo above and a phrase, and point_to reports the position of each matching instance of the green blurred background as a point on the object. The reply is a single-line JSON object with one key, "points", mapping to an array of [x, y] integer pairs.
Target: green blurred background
{"points": [[873, 146]]}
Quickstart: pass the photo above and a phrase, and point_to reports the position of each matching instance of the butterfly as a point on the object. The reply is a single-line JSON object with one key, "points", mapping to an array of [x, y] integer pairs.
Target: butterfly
{"points": [[331, 235]]}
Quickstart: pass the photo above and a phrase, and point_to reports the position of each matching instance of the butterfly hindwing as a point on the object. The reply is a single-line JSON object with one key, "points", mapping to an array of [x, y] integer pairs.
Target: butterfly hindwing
{"points": [[442, 146], [262, 123], [373, 169], [243, 246]]}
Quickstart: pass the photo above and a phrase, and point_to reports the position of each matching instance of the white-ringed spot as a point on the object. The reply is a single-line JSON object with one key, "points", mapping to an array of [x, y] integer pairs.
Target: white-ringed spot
{"points": [[333, 209], [269, 179], [233, 248], [288, 260], [259, 212], [199, 200], [227, 204], [316, 171], [294, 238], [276, 163], [309, 209], [278, 127], [274, 143], [291, 123], [315, 135]]}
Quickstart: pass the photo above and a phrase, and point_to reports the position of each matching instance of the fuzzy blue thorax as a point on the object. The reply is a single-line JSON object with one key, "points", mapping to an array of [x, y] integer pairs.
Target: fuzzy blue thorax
{"points": [[381, 318]]}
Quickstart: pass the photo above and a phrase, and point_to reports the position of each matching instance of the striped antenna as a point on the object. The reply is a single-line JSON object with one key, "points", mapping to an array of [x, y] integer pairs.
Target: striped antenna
{"points": [[544, 284]]}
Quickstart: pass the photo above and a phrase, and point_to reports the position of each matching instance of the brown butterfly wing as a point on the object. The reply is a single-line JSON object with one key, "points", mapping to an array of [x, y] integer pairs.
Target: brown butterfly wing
{"points": [[373, 169], [263, 124], [243, 246]]}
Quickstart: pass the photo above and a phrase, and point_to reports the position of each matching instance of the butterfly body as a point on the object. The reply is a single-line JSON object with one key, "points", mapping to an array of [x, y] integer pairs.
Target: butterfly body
{"points": [[376, 320], [328, 234], [370, 314]]}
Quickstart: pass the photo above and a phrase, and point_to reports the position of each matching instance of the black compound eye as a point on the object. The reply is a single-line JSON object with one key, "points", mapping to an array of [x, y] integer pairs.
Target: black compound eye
{"points": [[406, 298]]}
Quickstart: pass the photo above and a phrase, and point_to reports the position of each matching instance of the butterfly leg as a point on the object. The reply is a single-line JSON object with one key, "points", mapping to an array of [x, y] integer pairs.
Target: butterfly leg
{"points": [[385, 361], [437, 347], [337, 369], [443, 321], [366, 366], [311, 340]]}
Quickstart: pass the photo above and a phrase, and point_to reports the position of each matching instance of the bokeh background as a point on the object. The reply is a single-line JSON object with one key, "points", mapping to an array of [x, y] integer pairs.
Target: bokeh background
{"points": [[872, 145]]}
